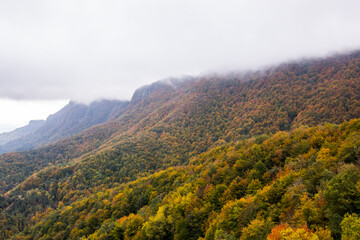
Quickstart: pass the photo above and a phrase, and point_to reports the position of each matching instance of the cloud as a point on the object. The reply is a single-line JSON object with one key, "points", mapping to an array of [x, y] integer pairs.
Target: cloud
{"points": [[16, 113], [86, 50]]}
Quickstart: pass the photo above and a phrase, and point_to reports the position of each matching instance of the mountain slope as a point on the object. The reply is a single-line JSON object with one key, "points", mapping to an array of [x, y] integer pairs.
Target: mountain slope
{"points": [[166, 125], [73, 118], [20, 132], [187, 120], [283, 182]]}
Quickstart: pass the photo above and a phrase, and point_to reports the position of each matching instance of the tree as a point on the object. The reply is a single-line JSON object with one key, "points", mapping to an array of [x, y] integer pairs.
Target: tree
{"points": [[350, 227]]}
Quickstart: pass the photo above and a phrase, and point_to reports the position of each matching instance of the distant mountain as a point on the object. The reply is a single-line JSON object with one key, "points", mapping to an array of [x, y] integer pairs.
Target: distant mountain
{"points": [[71, 119], [20, 132], [6, 127]]}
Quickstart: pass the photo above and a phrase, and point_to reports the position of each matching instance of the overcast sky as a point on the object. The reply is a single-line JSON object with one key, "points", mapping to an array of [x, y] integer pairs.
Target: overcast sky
{"points": [[52, 51]]}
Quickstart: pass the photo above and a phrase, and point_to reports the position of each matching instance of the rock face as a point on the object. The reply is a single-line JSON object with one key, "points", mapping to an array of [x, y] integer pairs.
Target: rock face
{"points": [[71, 119]]}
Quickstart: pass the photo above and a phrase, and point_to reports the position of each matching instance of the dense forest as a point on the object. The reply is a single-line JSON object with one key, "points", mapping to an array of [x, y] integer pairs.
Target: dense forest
{"points": [[272, 154]]}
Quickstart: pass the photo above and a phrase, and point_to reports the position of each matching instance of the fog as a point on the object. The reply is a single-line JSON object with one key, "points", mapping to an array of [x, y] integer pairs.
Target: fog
{"points": [[18, 113], [85, 50]]}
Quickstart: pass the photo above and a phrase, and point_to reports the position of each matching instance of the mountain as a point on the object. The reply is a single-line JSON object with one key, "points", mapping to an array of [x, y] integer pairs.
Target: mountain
{"points": [[20, 132], [214, 157], [71, 119]]}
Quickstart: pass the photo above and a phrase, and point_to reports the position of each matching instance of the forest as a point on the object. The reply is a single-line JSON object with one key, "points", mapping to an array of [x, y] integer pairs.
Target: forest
{"points": [[271, 154]]}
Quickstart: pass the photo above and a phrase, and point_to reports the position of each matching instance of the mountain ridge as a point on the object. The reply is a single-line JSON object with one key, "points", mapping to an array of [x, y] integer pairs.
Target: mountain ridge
{"points": [[71, 119], [171, 129], [32, 126], [181, 115]]}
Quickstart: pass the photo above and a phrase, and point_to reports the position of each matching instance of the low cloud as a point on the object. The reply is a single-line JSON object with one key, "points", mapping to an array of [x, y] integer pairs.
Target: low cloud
{"points": [[84, 50]]}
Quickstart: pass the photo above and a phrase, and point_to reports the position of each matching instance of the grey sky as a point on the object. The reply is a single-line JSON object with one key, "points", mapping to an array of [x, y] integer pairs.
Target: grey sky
{"points": [[85, 50]]}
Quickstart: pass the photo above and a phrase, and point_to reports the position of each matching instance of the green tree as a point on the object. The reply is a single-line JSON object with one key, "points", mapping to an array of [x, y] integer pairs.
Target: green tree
{"points": [[350, 227]]}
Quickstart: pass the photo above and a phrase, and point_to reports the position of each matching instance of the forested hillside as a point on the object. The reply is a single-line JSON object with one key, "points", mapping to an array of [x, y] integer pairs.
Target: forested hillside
{"points": [[214, 157], [298, 183]]}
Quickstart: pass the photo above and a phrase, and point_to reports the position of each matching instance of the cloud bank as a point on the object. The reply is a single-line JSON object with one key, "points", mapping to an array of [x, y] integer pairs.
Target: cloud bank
{"points": [[84, 50]]}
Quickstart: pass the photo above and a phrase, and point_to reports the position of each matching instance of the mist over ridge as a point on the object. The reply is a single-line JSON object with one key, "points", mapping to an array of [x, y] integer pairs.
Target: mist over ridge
{"points": [[84, 52]]}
